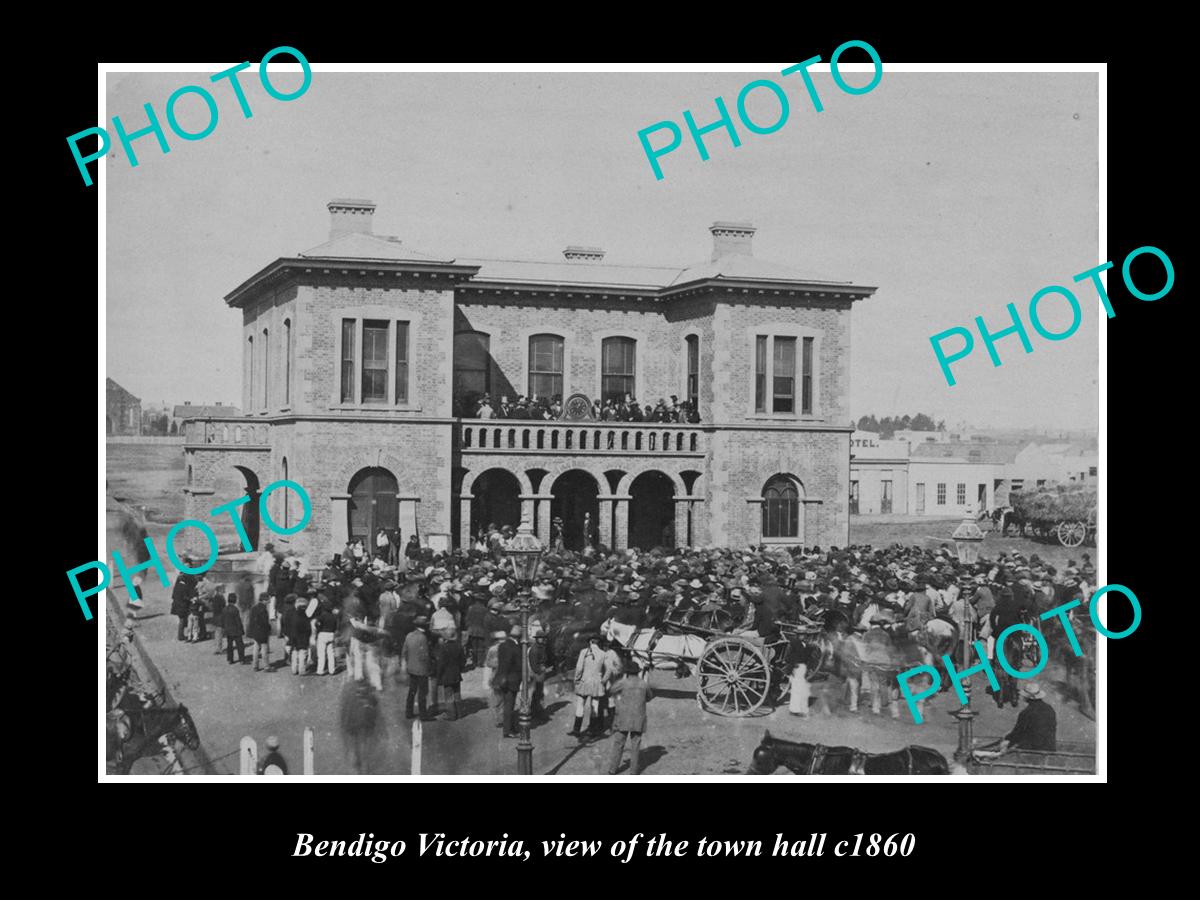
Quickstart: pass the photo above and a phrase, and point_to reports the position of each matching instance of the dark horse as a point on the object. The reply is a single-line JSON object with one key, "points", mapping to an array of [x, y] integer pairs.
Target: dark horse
{"points": [[817, 759], [133, 734]]}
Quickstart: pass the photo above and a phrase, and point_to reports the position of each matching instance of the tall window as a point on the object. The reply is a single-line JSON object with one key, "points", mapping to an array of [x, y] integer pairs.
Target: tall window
{"points": [[266, 379], [472, 369], [960, 494], [545, 365], [401, 362], [347, 360], [287, 363], [781, 509], [784, 391], [885, 500], [250, 370], [693, 371], [806, 372], [374, 362], [760, 373], [941, 493], [617, 367], [287, 509]]}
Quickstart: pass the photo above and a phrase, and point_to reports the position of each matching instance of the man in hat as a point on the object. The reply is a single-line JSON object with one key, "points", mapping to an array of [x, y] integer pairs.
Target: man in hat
{"points": [[631, 692], [589, 683], [477, 632], [450, 660], [415, 656], [273, 763], [259, 630], [508, 676], [181, 597], [327, 624], [491, 663], [231, 618], [1036, 727]]}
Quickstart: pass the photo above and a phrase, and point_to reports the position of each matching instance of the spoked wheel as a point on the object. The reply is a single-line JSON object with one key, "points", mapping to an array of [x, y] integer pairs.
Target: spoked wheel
{"points": [[734, 677], [1072, 534]]}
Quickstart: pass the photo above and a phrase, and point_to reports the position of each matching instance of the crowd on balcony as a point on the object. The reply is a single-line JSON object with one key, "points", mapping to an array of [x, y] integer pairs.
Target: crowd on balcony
{"points": [[551, 409]]}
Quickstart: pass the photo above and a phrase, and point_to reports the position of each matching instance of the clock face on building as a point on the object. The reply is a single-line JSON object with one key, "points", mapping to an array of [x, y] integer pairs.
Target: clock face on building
{"points": [[577, 407]]}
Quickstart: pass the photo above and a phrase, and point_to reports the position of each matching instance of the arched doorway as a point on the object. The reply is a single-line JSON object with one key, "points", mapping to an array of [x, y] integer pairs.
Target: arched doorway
{"points": [[372, 505], [229, 485], [652, 512], [495, 500], [575, 502]]}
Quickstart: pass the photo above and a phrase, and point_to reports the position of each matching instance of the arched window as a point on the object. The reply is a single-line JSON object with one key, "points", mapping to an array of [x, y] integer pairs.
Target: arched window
{"points": [[287, 512], [781, 509], [545, 366], [617, 368], [250, 373], [266, 379], [287, 362], [693, 371]]}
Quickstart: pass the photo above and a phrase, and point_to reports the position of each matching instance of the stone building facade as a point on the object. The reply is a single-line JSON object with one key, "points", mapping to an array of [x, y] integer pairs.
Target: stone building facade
{"points": [[363, 356], [122, 411]]}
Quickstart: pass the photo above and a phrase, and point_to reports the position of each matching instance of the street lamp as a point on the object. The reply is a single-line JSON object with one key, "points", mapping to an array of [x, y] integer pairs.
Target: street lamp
{"points": [[967, 538], [525, 552]]}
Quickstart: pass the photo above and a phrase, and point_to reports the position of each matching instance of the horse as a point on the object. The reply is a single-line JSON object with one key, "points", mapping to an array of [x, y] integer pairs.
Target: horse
{"points": [[133, 734], [877, 658], [817, 759]]}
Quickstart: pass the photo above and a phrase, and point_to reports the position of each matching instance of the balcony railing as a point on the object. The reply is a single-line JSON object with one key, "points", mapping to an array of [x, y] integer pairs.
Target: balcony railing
{"points": [[225, 431], [580, 437]]}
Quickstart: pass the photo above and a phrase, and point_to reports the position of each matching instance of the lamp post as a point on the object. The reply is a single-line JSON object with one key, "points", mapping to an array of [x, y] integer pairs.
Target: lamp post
{"points": [[525, 551], [967, 538]]}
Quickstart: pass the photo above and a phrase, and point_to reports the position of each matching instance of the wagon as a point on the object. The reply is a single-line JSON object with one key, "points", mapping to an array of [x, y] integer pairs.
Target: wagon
{"points": [[1071, 758], [1073, 532], [736, 674]]}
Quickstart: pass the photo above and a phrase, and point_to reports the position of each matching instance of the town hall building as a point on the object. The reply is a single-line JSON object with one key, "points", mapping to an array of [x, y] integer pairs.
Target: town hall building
{"points": [[364, 361]]}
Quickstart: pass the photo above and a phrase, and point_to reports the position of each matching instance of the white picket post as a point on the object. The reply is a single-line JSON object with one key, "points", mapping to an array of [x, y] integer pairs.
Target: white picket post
{"points": [[308, 751], [416, 747], [249, 756], [798, 701]]}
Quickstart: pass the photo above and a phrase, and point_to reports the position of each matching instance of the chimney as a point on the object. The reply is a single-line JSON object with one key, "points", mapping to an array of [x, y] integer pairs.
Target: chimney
{"points": [[732, 238], [349, 217], [218, 403], [583, 254]]}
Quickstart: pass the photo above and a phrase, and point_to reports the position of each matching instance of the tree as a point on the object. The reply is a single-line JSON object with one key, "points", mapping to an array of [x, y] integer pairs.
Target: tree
{"points": [[868, 423], [174, 427], [921, 422]]}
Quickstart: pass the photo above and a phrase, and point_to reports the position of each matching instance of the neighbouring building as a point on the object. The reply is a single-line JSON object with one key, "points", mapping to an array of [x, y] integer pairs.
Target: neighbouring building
{"points": [[878, 475], [123, 411], [363, 356]]}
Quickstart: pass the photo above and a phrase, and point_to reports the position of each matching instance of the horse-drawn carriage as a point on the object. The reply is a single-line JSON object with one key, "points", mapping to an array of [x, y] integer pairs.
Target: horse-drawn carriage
{"points": [[1065, 515], [1070, 758], [736, 672]]}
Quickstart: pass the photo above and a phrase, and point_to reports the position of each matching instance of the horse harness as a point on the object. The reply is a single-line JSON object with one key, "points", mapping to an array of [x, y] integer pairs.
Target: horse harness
{"points": [[858, 760]]}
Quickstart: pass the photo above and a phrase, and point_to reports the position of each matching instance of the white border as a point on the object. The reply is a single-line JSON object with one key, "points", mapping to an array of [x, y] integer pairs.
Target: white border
{"points": [[1102, 516]]}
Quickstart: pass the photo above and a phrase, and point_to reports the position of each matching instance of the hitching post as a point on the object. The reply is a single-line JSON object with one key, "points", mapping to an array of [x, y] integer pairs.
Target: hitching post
{"points": [[249, 756], [416, 748], [967, 538]]}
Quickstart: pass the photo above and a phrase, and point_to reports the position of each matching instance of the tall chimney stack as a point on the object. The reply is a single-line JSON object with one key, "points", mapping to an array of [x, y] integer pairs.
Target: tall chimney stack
{"points": [[732, 239], [350, 217]]}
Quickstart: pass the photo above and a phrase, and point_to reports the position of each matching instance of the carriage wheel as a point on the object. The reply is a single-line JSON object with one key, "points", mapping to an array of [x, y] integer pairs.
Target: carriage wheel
{"points": [[734, 677], [1071, 534]]}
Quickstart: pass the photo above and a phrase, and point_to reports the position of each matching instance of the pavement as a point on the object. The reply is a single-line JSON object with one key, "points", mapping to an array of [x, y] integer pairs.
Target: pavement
{"points": [[230, 701]]}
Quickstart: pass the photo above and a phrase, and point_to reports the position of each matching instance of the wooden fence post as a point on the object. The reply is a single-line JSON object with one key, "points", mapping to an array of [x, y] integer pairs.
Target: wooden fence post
{"points": [[416, 747], [249, 756]]}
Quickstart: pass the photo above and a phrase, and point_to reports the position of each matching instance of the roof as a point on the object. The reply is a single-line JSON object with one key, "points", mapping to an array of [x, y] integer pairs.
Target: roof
{"points": [[357, 245], [192, 411], [968, 451], [655, 281]]}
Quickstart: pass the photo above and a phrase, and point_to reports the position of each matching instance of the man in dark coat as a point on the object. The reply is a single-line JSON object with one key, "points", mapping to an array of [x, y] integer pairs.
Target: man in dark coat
{"points": [[415, 656], [477, 629], [259, 631], [448, 672], [631, 692], [1036, 727], [508, 677], [231, 617], [181, 598]]}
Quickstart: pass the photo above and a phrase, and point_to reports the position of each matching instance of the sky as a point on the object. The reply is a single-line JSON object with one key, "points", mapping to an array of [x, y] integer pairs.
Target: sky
{"points": [[954, 194]]}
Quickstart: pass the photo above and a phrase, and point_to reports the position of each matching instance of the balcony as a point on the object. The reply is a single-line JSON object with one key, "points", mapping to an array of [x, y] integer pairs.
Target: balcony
{"points": [[579, 438], [232, 431]]}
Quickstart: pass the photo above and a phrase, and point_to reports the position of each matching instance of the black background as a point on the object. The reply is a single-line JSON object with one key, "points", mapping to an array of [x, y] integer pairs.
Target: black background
{"points": [[967, 837]]}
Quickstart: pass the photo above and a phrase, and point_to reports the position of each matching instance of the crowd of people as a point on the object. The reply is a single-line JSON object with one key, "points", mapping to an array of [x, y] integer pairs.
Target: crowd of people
{"points": [[428, 618], [551, 408]]}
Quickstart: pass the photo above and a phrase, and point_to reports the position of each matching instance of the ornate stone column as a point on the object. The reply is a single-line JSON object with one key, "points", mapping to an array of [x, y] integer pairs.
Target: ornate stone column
{"points": [[606, 520], [465, 537], [339, 522], [543, 517], [621, 537], [682, 506], [528, 503], [197, 504]]}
